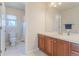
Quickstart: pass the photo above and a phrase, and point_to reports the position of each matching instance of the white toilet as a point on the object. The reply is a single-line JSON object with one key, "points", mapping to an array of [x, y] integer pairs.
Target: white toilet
{"points": [[12, 39]]}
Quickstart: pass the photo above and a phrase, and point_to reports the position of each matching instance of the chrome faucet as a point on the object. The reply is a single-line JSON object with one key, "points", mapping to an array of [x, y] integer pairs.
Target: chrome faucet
{"points": [[68, 33]]}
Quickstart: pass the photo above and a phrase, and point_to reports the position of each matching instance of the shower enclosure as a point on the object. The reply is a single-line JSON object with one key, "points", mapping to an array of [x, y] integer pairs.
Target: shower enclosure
{"points": [[14, 25], [2, 28], [12, 29]]}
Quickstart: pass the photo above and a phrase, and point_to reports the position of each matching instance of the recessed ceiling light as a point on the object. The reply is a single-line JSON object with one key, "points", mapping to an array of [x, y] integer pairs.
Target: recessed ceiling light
{"points": [[52, 3], [59, 3]]}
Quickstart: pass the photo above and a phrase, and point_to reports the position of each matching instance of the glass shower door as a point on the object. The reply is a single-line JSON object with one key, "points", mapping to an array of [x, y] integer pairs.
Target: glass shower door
{"points": [[2, 28]]}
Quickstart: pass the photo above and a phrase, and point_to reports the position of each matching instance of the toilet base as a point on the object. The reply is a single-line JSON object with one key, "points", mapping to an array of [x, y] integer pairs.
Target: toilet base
{"points": [[13, 44]]}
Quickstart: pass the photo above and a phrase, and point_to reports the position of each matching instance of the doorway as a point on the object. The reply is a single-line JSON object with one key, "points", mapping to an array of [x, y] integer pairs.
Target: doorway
{"points": [[15, 41], [10, 30]]}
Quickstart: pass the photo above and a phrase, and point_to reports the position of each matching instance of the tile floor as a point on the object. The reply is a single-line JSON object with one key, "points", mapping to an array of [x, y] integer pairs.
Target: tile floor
{"points": [[37, 53], [19, 50]]}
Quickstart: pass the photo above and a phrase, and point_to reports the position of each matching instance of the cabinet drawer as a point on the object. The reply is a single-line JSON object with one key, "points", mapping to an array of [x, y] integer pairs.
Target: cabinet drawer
{"points": [[75, 47], [73, 53]]}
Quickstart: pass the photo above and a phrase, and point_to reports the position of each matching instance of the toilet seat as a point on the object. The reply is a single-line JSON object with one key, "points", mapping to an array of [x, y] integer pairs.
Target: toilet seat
{"points": [[12, 37]]}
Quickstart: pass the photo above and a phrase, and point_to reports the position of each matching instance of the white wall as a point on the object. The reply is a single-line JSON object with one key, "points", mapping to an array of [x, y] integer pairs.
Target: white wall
{"points": [[51, 19], [71, 16], [35, 23], [39, 17]]}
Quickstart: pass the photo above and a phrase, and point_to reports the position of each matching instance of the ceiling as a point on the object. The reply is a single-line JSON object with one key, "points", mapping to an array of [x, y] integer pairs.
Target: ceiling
{"points": [[67, 5], [17, 5], [63, 6]]}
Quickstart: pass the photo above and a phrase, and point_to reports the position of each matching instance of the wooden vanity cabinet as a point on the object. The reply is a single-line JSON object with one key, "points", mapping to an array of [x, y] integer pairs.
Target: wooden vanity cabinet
{"points": [[56, 47], [41, 42], [50, 46], [63, 48], [75, 49], [47, 45]]}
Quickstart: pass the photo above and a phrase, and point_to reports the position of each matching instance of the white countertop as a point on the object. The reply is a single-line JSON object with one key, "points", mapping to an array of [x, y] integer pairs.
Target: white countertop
{"points": [[73, 37]]}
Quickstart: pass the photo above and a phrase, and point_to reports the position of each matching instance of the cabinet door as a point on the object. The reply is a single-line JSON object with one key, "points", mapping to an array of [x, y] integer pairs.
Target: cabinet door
{"points": [[60, 47], [63, 48], [67, 48], [75, 49], [48, 45], [54, 47], [73, 53], [41, 39]]}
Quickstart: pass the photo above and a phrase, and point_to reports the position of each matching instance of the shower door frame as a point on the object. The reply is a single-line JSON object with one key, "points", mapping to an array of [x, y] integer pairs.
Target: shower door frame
{"points": [[3, 14]]}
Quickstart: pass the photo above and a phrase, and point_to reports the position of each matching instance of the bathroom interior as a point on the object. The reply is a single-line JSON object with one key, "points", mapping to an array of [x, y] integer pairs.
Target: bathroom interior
{"points": [[58, 23], [56, 19]]}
